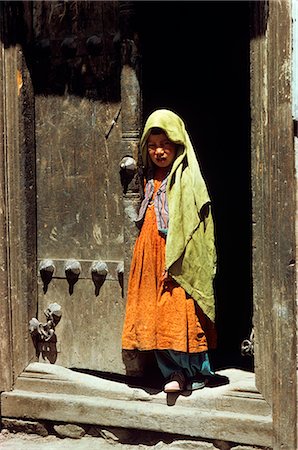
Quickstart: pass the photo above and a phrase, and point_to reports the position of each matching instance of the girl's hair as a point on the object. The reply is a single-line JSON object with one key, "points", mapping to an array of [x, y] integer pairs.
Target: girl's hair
{"points": [[156, 130]]}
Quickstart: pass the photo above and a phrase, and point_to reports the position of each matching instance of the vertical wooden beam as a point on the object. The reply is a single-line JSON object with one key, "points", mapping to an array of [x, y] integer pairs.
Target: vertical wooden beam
{"points": [[6, 373], [131, 105], [281, 145], [261, 201], [18, 255], [131, 121], [25, 259], [295, 116], [274, 203]]}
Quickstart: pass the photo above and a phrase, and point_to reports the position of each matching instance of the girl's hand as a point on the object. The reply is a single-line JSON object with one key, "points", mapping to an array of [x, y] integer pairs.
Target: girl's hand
{"points": [[165, 275]]}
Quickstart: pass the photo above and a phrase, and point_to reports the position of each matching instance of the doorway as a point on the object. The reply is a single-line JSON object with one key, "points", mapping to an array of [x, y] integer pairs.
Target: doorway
{"points": [[195, 60]]}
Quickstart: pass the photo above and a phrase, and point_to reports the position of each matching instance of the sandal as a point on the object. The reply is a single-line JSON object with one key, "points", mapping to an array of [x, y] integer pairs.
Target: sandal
{"points": [[195, 384], [176, 383]]}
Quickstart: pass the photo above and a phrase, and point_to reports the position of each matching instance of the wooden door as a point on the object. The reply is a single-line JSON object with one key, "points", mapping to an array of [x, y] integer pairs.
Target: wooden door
{"points": [[67, 70], [76, 66]]}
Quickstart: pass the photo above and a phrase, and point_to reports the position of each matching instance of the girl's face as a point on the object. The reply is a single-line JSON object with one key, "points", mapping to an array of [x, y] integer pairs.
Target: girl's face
{"points": [[162, 151]]}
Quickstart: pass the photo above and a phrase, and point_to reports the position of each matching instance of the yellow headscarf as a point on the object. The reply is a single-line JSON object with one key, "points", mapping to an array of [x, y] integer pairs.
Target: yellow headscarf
{"points": [[190, 246]]}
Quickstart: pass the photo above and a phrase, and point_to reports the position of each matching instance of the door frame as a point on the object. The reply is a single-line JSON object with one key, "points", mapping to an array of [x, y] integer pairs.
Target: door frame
{"points": [[17, 200], [273, 218]]}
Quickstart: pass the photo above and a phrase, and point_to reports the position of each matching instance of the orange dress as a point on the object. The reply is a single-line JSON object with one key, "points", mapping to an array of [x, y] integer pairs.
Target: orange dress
{"points": [[159, 313]]}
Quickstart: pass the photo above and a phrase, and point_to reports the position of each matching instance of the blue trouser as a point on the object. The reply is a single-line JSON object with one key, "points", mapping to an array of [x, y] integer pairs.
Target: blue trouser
{"points": [[191, 364]]}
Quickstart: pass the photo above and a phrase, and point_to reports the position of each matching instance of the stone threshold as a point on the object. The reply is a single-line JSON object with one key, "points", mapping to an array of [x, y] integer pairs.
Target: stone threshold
{"points": [[235, 412]]}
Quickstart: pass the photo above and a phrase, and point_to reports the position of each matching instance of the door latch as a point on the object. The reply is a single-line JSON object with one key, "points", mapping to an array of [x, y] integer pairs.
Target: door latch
{"points": [[43, 334]]}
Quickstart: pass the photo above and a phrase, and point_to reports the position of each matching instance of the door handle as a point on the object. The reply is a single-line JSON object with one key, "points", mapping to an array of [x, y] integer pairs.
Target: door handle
{"points": [[128, 168]]}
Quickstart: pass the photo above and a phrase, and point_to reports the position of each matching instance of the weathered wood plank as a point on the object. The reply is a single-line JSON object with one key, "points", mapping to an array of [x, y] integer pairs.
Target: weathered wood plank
{"points": [[89, 333], [131, 120], [281, 144], [18, 179], [76, 75], [274, 203], [5, 324], [261, 233]]}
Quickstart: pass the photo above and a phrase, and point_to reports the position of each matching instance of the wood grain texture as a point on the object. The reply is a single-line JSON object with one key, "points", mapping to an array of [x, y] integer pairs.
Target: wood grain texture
{"points": [[5, 322], [76, 74], [274, 188], [19, 251]]}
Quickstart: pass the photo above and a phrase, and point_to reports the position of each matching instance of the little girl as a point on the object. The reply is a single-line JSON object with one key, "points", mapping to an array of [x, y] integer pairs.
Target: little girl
{"points": [[170, 300]]}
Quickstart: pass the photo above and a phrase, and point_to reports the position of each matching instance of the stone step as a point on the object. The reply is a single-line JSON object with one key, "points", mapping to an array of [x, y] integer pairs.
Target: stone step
{"points": [[233, 412]]}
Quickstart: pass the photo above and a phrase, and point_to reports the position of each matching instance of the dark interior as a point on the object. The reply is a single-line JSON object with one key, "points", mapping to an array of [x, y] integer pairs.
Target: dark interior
{"points": [[195, 61]]}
